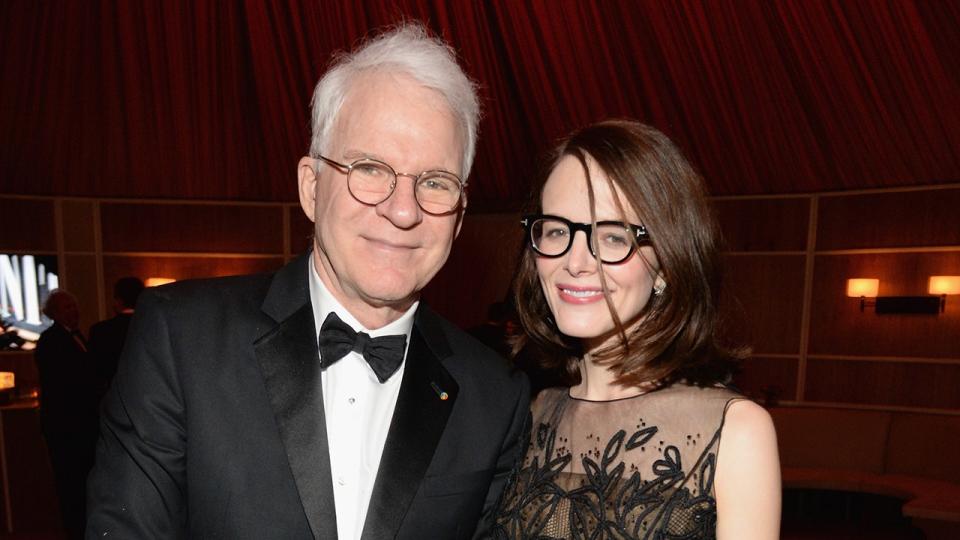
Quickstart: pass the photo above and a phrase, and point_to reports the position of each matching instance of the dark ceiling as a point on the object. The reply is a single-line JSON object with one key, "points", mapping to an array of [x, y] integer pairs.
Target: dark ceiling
{"points": [[208, 99]]}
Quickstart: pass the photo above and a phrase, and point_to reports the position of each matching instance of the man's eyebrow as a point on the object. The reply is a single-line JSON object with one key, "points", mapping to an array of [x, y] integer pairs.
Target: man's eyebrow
{"points": [[354, 154]]}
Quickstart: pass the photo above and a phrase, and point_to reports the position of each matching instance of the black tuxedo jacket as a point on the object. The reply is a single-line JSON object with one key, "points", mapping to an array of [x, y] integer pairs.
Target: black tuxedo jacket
{"points": [[214, 424], [106, 343], [68, 399]]}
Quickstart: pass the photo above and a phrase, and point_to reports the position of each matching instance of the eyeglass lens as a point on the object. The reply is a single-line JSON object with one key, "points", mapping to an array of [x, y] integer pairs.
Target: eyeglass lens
{"points": [[372, 182], [552, 238]]}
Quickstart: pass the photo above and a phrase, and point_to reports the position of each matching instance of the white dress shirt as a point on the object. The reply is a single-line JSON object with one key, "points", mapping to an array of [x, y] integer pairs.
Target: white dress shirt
{"points": [[358, 410]]}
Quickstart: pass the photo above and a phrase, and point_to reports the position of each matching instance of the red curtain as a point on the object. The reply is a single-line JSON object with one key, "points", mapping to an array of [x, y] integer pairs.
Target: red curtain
{"points": [[209, 99]]}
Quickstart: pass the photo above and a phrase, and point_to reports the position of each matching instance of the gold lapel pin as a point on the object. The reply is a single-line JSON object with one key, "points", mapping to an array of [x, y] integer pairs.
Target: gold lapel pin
{"points": [[443, 395]]}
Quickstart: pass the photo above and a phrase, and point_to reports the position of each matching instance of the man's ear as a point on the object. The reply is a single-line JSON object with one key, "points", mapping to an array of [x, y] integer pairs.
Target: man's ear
{"points": [[307, 186], [460, 213]]}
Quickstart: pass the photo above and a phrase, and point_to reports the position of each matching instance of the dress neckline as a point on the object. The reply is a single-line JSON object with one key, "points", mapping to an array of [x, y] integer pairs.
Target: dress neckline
{"points": [[600, 401]]}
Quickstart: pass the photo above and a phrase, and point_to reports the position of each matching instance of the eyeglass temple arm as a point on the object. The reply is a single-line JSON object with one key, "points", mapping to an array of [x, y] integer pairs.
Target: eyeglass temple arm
{"points": [[343, 168]]}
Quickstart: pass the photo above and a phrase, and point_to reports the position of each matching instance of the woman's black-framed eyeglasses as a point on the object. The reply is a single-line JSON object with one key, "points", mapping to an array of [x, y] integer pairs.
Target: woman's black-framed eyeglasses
{"points": [[372, 181], [552, 236]]}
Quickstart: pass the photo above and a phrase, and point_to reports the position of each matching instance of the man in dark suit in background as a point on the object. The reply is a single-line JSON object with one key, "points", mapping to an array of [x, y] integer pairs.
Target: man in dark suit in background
{"points": [[68, 405], [325, 400], [107, 337]]}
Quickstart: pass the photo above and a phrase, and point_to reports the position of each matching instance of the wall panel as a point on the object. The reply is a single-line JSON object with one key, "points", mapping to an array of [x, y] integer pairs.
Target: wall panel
{"points": [[79, 229], [934, 436], [80, 278], [181, 267], [762, 300], [894, 219], [837, 325], [901, 384], [480, 268], [768, 379], [764, 224], [807, 441], [134, 227]]}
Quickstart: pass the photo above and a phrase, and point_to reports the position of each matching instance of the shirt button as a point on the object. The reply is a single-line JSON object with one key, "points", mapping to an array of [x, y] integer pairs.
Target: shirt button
{"points": [[352, 401], [341, 481]]}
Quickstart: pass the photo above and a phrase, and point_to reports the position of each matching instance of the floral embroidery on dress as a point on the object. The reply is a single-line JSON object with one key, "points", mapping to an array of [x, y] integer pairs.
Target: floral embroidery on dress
{"points": [[587, 475]]}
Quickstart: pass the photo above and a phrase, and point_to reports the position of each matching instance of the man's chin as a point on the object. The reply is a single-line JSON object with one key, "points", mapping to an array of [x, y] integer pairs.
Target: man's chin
{"points": [[390, 299]]}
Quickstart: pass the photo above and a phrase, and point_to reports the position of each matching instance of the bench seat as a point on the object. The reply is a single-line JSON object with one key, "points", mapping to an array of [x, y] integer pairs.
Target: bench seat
{"points": [[910, 456], [924, 498]]}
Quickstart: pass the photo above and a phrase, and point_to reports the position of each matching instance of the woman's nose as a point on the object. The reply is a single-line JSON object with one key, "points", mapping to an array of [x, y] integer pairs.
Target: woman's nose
{"points": [[579, 259]]}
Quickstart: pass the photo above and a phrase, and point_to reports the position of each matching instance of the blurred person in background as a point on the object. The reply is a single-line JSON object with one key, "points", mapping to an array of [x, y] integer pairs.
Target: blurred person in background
{"points": [[107, 337], [68, 405]]}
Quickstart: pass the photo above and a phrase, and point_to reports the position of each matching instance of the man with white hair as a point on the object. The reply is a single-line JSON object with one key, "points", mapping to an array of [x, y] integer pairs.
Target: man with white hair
{"points": [[68, 406], [326, 401]]}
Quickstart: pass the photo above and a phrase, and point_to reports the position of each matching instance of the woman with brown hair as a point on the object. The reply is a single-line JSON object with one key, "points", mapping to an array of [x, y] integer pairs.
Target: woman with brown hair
{"points": [[647, 441]]}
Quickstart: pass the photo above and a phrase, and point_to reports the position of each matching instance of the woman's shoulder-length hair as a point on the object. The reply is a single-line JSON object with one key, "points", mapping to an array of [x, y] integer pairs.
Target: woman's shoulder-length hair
{"points": [[678, 336]]}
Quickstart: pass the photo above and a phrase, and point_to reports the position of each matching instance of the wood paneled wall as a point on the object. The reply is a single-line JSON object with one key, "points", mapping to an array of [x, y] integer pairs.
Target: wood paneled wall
{"points": [[787, 260], [98, 241]]}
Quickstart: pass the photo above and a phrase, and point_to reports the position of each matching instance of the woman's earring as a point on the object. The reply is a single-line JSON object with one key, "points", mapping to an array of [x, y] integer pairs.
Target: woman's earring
{"points": [[659, 286]]}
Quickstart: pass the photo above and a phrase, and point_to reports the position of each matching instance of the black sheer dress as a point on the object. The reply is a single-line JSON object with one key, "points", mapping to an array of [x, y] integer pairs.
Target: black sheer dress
{"points": [[640, 467]]}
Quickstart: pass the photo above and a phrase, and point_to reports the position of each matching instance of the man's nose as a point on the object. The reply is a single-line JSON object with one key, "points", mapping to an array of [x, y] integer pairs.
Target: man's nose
{"points": [[401, 207]]}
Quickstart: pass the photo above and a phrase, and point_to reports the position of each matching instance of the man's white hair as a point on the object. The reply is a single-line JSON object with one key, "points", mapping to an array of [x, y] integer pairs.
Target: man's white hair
{"points": [[408, 49]]}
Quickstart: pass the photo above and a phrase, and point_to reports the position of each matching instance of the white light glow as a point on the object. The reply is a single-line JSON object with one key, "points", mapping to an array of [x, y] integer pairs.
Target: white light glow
{"points": [[944, 285], [865, 287]]}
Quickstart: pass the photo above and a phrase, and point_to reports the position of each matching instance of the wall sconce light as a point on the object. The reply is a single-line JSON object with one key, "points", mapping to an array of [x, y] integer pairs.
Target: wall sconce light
{"points": [[944, 285], [157, 281], [939, 287], [7, 384], [863, 288]]}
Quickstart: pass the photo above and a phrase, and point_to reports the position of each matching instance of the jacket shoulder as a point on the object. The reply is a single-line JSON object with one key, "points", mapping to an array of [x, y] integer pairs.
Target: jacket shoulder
{"points": [[207, 291]]}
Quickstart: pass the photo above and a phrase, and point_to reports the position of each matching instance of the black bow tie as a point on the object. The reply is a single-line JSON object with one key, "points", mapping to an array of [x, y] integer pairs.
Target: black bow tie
{"points": [[337, 339]]}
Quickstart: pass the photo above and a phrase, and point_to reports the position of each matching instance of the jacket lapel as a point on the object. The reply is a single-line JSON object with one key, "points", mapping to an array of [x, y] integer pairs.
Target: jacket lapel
{"points": [[288, 360], [418, 423]]}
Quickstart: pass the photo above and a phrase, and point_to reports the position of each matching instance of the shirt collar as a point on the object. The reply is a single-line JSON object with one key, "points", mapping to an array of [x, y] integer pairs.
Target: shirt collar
{"points": [[323, 303]]}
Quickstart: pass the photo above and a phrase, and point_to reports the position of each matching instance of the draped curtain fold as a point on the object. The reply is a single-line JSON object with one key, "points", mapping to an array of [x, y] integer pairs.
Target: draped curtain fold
{"points": [[209, 99]]}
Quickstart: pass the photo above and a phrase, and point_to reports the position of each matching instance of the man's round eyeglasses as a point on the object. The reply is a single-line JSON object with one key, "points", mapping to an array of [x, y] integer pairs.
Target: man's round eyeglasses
{"points": [[372, 181], [552, 236]]}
